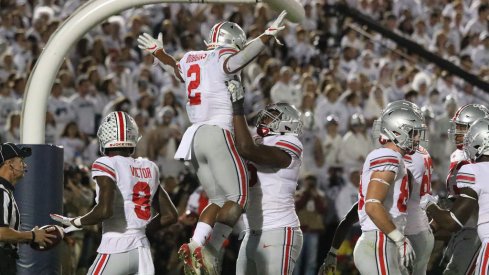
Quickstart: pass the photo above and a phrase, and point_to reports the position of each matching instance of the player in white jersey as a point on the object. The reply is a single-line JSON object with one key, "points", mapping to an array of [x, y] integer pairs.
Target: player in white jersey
{"points": [[463, 246], [127, 188], [209, 143], [473, 192], [273, 239], [384, 192]]}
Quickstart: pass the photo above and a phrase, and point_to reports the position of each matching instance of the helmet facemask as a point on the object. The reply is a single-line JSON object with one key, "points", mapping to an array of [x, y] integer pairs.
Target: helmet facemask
{"points": [[279, 119], [408, 139]]}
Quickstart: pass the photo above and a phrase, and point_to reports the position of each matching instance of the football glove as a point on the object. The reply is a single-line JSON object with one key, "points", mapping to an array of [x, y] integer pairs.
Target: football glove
{"points": [[236, 93], [329, 264], [427, 200], [148, 43], [65, 221], [276, 27]]}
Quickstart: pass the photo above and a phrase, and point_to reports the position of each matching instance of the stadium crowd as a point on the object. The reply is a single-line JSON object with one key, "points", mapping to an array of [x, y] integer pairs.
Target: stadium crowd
{"points": [[340, 80]]}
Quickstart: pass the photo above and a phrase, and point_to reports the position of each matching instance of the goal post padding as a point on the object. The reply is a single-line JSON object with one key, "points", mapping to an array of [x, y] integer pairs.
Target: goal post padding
{"points": [[39, 194]]}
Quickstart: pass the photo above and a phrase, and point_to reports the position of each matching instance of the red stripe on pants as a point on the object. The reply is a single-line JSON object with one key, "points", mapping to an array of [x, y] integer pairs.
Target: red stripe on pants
{"points": [[100, 264], [241, 170], [288, 241], [380, 249]]}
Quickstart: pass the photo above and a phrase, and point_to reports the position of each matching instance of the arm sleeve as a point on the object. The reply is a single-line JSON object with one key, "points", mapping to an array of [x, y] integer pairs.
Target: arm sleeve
{"points": [[292, 146], [466, 178], [4, 202], [235, 61], [385, 162], [104, 167]]}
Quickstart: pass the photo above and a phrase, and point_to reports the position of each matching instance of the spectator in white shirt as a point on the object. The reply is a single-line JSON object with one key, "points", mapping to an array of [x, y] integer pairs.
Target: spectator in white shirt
{"points": [[480, 55], [60, 107], [284, 90], [478, 24], [356, 144], [376, 102], [84, 107], [332, 141], [348, 194]]}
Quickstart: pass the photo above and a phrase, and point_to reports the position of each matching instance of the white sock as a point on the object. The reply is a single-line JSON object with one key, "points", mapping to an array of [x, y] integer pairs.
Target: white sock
{"points": [[219, 234], [202, 233]]}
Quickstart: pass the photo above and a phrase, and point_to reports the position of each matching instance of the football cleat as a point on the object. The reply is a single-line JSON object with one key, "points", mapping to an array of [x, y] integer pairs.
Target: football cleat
{"points": [[207, 260], [185, 254]]}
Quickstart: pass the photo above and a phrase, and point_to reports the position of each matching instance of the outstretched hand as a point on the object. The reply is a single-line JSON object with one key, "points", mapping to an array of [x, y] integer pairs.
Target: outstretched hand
{"points": [[65, 221], [276, 26], [236, 93], [148, 43]]}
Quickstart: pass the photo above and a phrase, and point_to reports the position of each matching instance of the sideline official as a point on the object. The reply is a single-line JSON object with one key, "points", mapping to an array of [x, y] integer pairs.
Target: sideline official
{"points": [[12, 168]]}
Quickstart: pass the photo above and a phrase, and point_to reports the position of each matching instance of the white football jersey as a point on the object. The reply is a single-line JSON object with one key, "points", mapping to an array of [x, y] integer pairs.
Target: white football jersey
{"points": [[271, 201], [207, 95], [137, 181], [395, 203], [457, 160], [475, 176], [421, 166]]}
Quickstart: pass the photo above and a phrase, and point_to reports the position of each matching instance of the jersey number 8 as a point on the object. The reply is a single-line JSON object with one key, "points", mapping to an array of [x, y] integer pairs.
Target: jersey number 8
{"points": [[141, 198]]}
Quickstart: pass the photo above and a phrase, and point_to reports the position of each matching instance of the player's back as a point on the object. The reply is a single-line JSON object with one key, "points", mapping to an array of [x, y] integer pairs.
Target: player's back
{"points": [[207, 95], [137, 181], [395, 203]]}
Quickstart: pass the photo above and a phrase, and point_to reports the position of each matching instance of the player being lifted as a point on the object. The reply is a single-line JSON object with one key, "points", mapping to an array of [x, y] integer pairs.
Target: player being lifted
{"points": [[383, 195], [464, 246], [473, 193], [273, 239], [417, 226], [126, 190], [209, 143]]}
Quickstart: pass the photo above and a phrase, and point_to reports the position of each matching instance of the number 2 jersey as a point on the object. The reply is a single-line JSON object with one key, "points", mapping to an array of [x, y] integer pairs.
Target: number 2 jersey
{"points": [[475, 177], [395, 203], [137, 181], [208, 99]]}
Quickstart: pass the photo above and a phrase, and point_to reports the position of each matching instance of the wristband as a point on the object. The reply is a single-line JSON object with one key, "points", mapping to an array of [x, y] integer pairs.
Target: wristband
{"points": [[238, 109], [33, 236], [77, 222], [395, 236]]}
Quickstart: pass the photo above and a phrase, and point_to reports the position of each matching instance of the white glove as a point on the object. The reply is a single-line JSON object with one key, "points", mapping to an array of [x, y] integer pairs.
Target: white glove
{"points": [[427, 200], [66, 221], [148, 43], [329, 264], [236, 90], [406, 250], [276, 27]]}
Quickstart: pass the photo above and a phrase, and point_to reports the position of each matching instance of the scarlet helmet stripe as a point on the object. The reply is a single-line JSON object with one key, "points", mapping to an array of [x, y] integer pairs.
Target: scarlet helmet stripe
{"points": [[216, 32], [122, 128]]}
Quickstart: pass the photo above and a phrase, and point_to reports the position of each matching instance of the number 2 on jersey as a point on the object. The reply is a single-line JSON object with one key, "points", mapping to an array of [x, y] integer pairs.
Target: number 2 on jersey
{"points": [[141, 198], [193, 95]]}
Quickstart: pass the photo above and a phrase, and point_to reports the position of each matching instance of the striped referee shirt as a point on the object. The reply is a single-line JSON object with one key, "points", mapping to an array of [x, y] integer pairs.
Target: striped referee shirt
{"points": [[10, 215]]}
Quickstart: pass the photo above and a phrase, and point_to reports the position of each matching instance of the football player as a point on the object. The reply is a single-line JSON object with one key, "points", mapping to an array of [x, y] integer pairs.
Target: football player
{"points": [[383, 195], [472, 191], [209, 143], [126, 190], [273, 239], [417, 226], [463, 246]]}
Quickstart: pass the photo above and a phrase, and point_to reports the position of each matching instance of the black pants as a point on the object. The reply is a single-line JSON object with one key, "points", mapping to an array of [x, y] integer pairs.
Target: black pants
{"points": [[8, 257]]}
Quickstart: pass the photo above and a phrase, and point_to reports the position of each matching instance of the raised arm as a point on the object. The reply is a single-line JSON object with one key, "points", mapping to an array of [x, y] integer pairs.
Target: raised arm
{"points": [[239, 60], [258, 153], [155, 46]]}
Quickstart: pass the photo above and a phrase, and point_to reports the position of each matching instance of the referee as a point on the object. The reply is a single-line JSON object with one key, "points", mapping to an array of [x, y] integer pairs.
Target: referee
{"points": [[12, 168]]}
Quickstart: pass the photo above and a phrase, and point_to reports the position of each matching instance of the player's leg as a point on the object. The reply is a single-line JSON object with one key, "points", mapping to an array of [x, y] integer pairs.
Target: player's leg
{"points": [[374, 253], [245, 265], [115, 264], [482, 266], [231, 180], [423, 243], [465, 246], [278, 250]]}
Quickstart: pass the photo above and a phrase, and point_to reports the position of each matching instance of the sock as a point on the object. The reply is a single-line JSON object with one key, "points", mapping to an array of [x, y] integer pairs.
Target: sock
{"points": [[220, 233], [202, 233]]}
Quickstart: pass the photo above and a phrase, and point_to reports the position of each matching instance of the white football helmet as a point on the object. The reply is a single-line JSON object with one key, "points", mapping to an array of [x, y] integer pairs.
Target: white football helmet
{"points": [[476, 140], [465, 116], [284, 119], [403, 125], [227, 34], [118, 130]]}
